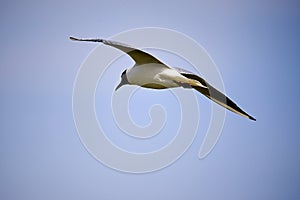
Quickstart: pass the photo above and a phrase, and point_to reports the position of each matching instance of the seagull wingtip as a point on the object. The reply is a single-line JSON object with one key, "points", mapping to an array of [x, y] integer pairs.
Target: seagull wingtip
{"points": [[252, 118], [73, 38], [86, 39]]}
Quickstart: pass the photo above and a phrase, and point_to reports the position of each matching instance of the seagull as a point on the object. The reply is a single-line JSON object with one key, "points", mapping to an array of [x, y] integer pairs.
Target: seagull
{"points": [[150, 72]]}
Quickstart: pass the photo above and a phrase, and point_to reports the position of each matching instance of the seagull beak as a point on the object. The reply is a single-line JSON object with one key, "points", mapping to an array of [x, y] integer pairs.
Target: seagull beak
{"points": [[123, 81], [118, 86]]}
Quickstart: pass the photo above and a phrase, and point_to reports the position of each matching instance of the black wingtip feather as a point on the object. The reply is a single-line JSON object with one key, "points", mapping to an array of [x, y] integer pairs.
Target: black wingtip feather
{"points": [[72, 38], [252, 118], [86, 39]]}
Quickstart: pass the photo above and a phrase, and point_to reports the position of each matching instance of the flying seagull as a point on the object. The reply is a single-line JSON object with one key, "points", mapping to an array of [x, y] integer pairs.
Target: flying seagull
{"points": [[150, 72]]}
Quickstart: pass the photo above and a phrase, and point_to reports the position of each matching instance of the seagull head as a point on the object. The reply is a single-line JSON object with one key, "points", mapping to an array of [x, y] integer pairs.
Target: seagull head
{"points": [[124, 80]]}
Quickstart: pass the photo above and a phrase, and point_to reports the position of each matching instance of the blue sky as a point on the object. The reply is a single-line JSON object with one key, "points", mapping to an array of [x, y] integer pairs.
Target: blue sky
{"points": [[255, 45]]}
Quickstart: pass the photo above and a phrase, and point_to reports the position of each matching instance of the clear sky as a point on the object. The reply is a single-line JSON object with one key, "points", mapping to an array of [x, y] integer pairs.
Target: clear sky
{"points": [[255, 45]]}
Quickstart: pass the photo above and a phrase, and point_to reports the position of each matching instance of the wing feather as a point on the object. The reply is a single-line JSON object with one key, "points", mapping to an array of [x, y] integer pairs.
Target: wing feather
{"points": [[216, 96], [139, 56]]}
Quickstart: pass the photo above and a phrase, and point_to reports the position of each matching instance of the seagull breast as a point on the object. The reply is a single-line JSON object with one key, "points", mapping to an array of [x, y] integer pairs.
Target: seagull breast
{"points": [[152, 75]]}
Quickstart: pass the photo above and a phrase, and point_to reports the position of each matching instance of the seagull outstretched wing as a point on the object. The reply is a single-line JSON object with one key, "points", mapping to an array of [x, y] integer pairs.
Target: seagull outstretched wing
{"points": [[215, 95], [139, 56]]}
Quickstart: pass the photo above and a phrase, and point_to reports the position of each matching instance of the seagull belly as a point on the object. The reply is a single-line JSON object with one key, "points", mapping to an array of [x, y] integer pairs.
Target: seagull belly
{"points": [[150, 76]]}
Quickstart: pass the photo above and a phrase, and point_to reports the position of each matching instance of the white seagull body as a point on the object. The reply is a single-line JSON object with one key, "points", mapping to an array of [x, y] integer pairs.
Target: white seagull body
{"points": [[157, 76], [149, 72]]}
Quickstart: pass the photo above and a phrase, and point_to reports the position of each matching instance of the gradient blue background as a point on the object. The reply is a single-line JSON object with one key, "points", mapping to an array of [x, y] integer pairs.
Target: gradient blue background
{"points": [[255, 45]]}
